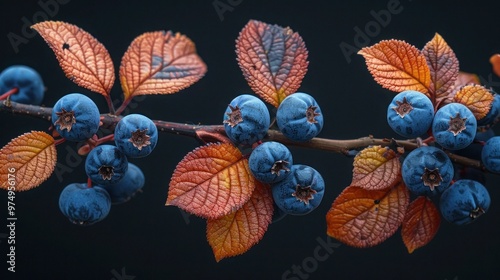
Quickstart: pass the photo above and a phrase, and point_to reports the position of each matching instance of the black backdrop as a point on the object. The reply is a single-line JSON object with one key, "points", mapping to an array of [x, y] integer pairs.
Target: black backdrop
{"points": [[146, 240]]}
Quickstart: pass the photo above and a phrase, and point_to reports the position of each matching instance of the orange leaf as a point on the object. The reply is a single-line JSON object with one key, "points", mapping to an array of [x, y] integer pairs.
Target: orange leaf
{"points": [[397, 66], [365, 218], [273, 60], [464, 79], [27, 161], [443, 65], [495, 62], [376, 168], [477, 98], [211, 181], [84, 60], [237, 232], [160, 63], [420, 224]]}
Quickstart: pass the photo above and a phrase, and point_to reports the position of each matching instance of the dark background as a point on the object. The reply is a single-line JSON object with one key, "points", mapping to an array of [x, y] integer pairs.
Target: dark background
{"points": [[145, 239]]}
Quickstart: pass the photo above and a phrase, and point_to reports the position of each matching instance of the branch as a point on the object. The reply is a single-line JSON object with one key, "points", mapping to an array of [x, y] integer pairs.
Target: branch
{"points": [[216, 133]]}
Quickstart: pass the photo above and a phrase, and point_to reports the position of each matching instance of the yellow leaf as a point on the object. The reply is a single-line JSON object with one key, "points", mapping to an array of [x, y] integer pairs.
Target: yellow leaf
{"points": [[397, 66], [84, 60], [237, 232], [477, 98], [27, 160], [376, 168]]}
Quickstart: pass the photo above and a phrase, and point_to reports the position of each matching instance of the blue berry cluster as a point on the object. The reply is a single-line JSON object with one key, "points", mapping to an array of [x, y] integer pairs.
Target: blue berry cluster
{"points": [[429, 171], [297, 189], [76, 118]]}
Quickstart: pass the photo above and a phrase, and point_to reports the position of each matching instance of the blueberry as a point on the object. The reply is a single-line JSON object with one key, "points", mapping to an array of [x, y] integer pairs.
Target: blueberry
{"points": [[490, 154], [270, 162], [427, 171], [454, 126], [106, 164], [126, 188], [136, 135], [464, 202], [492, 113], [300, 192], [246, 120], [410, 113], [28, 82], [83, 205], [299, 117], [75, 117]]}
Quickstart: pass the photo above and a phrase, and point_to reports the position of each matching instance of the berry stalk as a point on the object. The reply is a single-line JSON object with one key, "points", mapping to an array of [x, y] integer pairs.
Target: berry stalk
{"points": [[216, 133]]}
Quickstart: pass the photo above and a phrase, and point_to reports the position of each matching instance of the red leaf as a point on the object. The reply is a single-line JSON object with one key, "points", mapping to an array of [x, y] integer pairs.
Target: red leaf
{"points": [[84, 60], [443, 65], [237, 232], [376, 168], [273, 60], [160, 63], [397, 66], [211, 181], [420, 224], [27, 161], [365, 218]]}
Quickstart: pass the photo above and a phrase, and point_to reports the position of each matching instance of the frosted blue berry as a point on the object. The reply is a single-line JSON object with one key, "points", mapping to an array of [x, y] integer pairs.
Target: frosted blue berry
{"points": [[106, 164], [300, 192], [464, 202], [28, 82], [126, 188], [427, 171], [83, 205], [490, 155], [136, 135], [246, 120], [454, 126], [75, 117], [270, 162], [299, 117], [410, 113]]}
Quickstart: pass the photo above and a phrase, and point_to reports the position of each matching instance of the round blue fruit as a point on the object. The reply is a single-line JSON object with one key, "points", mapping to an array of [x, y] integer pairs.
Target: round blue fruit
{"points": [[128, 187], [427, 171], [75, 117], [246, 120], [490, 155], [28, 82], [454, 126], [464, 202], [410, 113], [300, 192], [299, 117], [492, 113], [136, 135], [270, 162], [83, 205], [106, 164]]}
